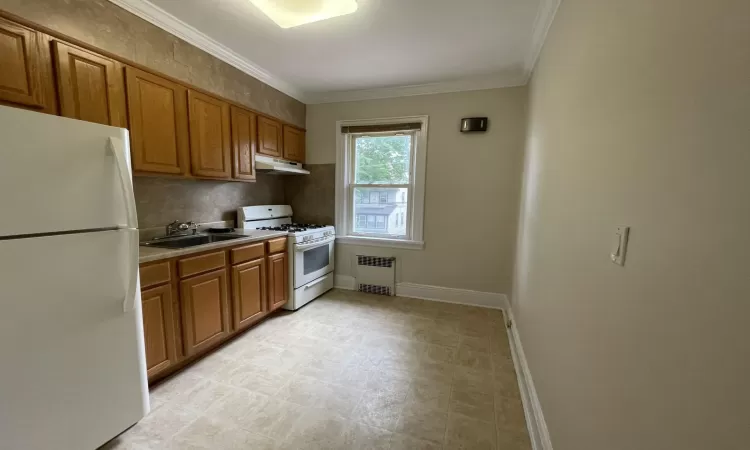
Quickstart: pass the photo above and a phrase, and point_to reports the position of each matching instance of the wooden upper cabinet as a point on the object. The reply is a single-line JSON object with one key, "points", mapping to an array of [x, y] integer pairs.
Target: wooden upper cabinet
{"points": [[20, 65], [205, 310], [158, 329], [157, 113], [244, 144], [278, 277], [209, 136], [294, 144], [249, 293], [269, 137], [91, 87]]}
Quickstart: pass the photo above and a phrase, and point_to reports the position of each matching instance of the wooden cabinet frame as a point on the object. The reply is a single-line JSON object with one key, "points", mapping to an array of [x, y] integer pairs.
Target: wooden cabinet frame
{"points": [[241, 298], [91, 87]]}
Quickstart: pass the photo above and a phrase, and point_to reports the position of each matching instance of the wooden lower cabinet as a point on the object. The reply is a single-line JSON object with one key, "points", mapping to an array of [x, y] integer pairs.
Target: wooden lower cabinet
{"points": [[191, 303], [205, 311], [278, 276], [158, 329], [249, 293]]}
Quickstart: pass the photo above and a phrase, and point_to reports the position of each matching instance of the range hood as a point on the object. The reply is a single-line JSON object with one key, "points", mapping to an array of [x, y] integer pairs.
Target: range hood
{"points": [[267, 164]]}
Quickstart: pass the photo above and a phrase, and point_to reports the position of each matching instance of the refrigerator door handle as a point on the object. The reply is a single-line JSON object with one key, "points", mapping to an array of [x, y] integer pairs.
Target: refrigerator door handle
{"points": [[128, 303], [119, 150]]}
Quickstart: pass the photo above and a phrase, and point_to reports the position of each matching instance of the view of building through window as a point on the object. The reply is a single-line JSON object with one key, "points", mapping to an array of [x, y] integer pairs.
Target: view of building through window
{"points": [[382, 161]]}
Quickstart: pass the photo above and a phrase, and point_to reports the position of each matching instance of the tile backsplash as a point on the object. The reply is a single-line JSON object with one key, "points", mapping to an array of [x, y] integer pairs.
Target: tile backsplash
{"points": [[161, 200]]}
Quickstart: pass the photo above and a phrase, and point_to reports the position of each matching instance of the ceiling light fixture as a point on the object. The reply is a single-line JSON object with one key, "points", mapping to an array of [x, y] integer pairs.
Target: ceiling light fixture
{"points": [[293, 13]]}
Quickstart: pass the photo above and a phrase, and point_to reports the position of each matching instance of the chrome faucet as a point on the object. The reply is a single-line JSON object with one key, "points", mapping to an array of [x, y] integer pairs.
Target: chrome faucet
{"points": [[178, 228]]}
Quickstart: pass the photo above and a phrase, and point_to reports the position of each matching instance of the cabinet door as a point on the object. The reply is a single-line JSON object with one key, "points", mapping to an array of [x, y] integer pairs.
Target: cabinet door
{"points": [[158, 328], [277, 281], [91, 86], [244, 138], [157, 113], [294, 144], [209, 136], [269, 137], [205, 311], [249, 292], [20, 76]]}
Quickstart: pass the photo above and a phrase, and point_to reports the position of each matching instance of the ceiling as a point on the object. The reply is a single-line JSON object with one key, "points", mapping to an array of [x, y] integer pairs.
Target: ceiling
{"points": [[387, 48]]}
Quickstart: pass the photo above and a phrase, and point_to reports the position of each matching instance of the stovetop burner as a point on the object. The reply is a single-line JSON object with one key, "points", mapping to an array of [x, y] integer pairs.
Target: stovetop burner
{"points": [[286, 228], [293, 227]]}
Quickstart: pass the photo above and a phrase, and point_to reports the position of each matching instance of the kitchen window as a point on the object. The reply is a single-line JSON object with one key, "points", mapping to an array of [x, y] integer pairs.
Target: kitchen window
{"points": [[380, 179]]}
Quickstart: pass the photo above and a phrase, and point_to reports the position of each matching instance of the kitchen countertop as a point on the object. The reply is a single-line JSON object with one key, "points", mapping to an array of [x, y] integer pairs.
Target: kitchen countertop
{"points": [[151, 254]]}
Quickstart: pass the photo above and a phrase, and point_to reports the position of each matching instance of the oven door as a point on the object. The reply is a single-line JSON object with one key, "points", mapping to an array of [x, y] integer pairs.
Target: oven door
{"points": [[312, 261]]}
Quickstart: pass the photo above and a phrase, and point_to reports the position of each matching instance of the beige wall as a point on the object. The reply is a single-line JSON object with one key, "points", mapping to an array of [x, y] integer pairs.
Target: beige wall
{"points": [[472, 191], [639, 115]]}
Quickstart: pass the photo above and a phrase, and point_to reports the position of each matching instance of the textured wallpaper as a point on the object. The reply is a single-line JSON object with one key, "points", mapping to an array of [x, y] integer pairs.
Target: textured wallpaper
{"points": [[162, 200]]}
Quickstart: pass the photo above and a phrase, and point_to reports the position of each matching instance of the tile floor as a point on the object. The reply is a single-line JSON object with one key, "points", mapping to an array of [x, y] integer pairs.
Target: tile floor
{"points": [[348, 371]]}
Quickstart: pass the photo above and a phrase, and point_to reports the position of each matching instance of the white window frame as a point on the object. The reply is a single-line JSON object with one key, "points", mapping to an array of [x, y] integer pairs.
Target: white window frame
{"points": [[415, 206]]}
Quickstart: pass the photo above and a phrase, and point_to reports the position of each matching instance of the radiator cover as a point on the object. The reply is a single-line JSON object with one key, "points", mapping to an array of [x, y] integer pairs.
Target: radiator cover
{"points": [[376, 274]]}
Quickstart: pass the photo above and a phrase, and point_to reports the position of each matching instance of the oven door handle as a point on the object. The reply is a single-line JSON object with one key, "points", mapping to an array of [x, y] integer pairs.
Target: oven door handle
{"points": [[313, 245], [315, 283]]}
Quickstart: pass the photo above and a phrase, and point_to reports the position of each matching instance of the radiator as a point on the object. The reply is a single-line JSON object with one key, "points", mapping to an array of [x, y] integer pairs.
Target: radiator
{"points": [[376, 274]]}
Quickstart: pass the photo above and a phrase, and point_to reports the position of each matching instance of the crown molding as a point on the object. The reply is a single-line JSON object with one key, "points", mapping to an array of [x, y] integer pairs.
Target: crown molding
{"points": [[544, 17], [162, 19], [466, 84]]}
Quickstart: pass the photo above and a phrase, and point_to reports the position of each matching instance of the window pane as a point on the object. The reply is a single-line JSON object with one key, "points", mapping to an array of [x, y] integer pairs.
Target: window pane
{"points": [[380, 218], [382, 159]]}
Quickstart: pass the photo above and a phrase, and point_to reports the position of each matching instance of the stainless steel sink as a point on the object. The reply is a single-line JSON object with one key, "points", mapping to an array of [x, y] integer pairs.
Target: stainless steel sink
{"points": [[189, 241]]}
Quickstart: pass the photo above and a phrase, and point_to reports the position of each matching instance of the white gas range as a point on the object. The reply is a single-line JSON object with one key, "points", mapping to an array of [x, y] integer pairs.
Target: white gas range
{"points": [[310, 250]]}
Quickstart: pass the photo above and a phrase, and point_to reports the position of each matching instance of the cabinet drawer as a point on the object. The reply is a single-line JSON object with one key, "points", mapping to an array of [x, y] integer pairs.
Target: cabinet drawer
{"points": [[200, 264], [277, 245], [247, 253], [155, 274]]}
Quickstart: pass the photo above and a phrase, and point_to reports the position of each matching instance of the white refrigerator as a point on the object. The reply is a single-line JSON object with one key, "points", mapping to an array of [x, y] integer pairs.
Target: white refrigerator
{"points": [[72, 358]]}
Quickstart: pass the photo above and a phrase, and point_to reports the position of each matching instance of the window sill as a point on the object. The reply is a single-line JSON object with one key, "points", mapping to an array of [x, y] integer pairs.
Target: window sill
{"points": [[380, 242]]}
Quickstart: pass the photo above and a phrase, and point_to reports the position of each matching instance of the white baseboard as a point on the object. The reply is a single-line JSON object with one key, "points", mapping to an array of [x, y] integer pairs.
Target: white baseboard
{"points": [[532, 408], [437, 293], [452, 295], [343, 282]]}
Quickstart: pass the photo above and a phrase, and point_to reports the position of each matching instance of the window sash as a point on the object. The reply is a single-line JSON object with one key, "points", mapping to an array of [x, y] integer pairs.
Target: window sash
{"points": [[412, 225], [409, 187], [354, 217]]}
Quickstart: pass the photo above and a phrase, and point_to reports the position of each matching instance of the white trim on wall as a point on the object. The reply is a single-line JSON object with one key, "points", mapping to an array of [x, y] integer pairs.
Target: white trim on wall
{"points": [[167, 22], [437, 293], [544, 17], [162, 19], [452, 295], [462, 85], [535, 422], [344, 282]]}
